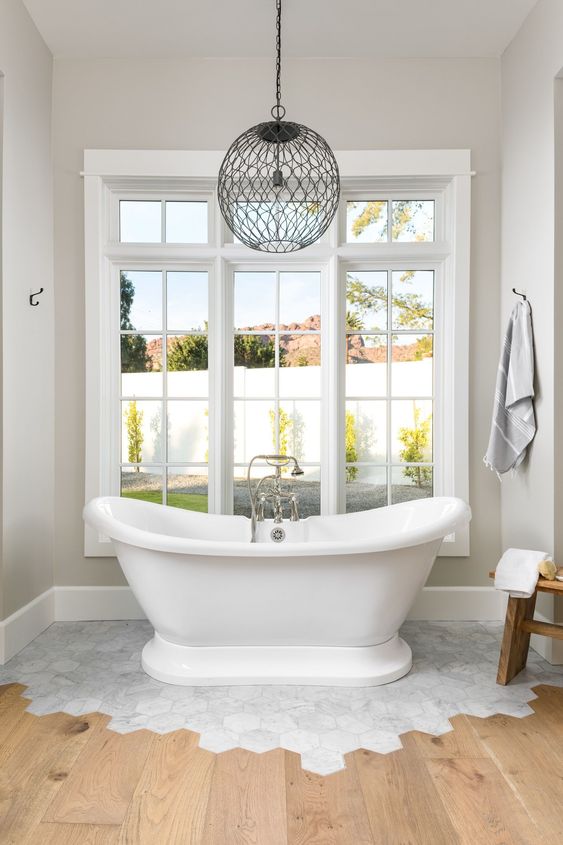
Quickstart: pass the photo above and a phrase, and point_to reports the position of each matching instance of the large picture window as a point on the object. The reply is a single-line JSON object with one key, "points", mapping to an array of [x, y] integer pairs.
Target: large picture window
{"points": [[351, 355]]}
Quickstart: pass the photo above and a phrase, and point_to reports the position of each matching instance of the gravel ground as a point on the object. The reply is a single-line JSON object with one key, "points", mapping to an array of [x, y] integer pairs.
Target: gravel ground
{"points": [[359, 496]]}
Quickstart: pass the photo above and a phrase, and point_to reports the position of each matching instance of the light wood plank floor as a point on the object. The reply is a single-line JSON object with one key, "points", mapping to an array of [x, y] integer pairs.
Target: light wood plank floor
{"points": [[70, 781]]}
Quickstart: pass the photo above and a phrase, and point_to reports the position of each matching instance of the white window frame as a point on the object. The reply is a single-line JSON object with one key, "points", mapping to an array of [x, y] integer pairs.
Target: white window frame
{"points": [[111, 175]]}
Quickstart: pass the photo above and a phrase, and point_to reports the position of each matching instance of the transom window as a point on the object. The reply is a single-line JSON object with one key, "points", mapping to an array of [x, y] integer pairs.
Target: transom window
{"points": [[163, 221], [343, 355], [395, 220]]}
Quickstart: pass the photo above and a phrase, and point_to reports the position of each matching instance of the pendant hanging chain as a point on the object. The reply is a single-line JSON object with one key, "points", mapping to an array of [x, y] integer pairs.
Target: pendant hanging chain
{"points": [[278, 110], [278, 51]]}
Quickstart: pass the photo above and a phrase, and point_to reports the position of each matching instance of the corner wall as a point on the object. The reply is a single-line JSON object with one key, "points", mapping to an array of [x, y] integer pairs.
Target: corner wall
{"points": [[531, 502], [27, 333]]}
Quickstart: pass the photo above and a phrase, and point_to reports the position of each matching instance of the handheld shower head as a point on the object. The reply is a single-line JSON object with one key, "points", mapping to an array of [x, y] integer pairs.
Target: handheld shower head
{"points": [[279, 461]]}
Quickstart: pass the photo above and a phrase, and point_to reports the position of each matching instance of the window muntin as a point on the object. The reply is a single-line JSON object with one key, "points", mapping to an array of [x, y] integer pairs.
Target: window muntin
{"points": [[164, 386], [389, 386]]}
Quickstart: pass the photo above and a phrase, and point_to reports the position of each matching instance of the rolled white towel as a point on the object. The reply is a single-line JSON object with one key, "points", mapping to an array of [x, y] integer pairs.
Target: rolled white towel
{"points": [[517, 571]]}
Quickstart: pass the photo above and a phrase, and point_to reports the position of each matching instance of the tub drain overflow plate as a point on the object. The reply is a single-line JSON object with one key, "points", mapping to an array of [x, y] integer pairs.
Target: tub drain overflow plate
{"points": [[277, 535]]}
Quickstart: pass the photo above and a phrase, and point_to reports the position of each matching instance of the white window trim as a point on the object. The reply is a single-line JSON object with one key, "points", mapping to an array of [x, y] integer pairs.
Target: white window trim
{"points": [[169, 173]]}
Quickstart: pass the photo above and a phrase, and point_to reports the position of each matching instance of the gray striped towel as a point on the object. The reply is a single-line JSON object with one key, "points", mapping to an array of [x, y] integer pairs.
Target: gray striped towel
{"points": [[514, 425]]}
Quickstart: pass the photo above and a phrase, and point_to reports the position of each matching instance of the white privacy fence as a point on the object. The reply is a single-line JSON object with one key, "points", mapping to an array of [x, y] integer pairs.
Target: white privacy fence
{"points": [[300, 410]]}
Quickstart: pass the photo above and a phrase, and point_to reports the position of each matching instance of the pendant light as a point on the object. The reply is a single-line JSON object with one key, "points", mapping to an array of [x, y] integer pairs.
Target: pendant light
{"points": [[279, 184]]}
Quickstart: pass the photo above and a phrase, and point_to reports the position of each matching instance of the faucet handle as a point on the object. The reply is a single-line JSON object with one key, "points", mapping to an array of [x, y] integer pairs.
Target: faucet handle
{"points": [[278, 512], [294, 517]]}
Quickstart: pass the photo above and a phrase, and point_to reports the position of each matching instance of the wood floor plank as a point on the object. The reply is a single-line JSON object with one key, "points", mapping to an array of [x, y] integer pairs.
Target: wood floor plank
{"points": [[524, 752], [481, 805], [170, 802], [247, 803], [101, 783], [40, 760], [325, 810], [462, 741], [5, 687], [549, 707], [489, 781], [52, 833], [401, 801], [12, 707]]}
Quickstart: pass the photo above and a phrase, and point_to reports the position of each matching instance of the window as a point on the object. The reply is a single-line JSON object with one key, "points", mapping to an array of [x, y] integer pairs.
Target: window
{"points": [[351, 355], [277, 376], [389, 386], [163, 221], [367, 221], [164, 386]]}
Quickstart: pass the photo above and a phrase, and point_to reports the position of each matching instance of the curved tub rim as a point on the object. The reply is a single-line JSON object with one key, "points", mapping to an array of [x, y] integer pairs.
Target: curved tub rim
{"points": [[457, 516]]}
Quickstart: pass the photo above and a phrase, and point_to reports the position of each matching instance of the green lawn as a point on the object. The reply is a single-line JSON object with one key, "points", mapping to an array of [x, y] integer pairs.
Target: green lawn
{"points": [[188, 501]]}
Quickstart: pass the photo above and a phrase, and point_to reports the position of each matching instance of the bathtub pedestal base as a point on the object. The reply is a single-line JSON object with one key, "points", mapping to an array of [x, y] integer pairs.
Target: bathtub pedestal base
{"points": [[321, 665]]}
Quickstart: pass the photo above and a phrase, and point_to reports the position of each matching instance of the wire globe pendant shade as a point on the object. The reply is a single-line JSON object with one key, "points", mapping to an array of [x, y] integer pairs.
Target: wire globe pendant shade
{"points": [[279, 184]]}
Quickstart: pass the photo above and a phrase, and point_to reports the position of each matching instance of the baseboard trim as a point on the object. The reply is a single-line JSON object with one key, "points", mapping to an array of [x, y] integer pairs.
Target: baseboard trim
{"points": [[74, 604], [19, 629], [459, 604], [83, 604], [77, 604]]}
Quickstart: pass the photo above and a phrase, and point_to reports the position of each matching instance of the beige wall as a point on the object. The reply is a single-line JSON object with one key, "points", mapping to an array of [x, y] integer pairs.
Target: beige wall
{"points": [[529, 68], [27, 333], [203, 104]]}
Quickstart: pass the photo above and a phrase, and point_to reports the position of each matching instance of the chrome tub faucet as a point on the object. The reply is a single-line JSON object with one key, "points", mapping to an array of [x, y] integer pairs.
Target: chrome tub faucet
{"points": [[269, 490]]}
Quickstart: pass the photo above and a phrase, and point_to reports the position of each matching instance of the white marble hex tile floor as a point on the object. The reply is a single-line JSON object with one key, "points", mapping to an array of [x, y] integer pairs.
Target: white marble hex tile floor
{"points": [[79, 667]]}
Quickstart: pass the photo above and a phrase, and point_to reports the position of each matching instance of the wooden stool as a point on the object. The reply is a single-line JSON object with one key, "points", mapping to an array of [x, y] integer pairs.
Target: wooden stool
{"points": [[518, 626]]}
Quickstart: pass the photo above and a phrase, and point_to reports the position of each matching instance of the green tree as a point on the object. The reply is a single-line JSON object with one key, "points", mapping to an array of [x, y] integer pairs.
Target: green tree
{"points": [[189, 352], [134, 425], [134, 357], [415, 441], [411, 311], [423, 348], [253, 351], [351, 440], [354, 322], [284, 425], [371, 213], [127, 297], [403, 214]]}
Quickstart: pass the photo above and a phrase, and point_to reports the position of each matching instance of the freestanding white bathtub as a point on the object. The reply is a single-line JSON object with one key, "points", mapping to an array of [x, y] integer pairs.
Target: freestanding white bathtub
{"points": [[321, 607]]}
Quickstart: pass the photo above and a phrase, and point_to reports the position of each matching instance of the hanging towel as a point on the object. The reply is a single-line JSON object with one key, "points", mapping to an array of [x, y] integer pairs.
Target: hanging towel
{"points": [[517, 572], [514, 425]]}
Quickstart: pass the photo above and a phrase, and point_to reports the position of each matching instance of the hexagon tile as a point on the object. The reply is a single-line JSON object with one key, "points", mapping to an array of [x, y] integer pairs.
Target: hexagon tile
{"points": [[79, 667]]}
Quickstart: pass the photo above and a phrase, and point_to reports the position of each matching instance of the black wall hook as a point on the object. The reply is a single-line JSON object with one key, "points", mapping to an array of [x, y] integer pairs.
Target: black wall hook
{"points": [[523, 295], [33, 295]]}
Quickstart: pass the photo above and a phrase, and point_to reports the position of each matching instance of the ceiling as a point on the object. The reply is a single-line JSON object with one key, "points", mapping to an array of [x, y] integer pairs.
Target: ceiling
{"points": [[245, 28]]}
